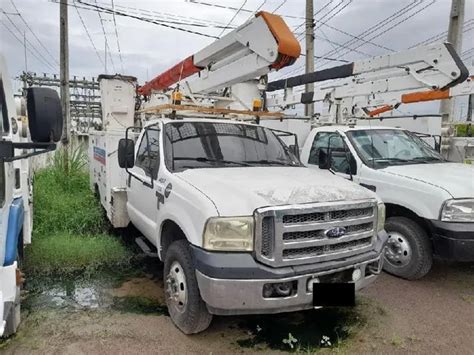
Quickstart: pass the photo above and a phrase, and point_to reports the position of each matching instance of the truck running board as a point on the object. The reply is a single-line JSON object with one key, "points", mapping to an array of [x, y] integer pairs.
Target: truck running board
{"points": [[146, 248]]}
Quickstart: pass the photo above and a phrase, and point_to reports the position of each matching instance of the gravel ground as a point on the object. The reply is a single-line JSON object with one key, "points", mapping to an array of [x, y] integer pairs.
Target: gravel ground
{"points": [[434, 315]]}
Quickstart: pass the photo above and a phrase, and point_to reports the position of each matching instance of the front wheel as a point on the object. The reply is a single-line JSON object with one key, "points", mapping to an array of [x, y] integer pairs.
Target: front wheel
{"points": [[185, 305], [408, 253]]}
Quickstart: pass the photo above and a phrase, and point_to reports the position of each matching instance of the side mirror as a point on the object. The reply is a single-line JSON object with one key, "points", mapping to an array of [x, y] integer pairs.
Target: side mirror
{"points": [[45, 118], [126, 153], [323, 159]]}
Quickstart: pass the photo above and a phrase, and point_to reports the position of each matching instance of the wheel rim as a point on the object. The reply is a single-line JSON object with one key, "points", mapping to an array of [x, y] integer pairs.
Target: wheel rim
{"points": [[397, 250], [176, 290]]}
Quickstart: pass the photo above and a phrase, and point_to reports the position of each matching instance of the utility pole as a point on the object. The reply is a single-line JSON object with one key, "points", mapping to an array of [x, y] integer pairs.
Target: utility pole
{"points": [[24, 45], [456, 20], [470, 107], [64, 77], [309, 108]]}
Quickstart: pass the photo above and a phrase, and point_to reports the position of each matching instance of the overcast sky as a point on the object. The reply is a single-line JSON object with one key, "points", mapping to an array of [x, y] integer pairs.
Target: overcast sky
{"points": [[147, 49]]}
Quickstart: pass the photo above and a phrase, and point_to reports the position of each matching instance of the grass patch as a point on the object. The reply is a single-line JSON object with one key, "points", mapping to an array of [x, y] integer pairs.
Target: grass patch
{"points": [[464, 130], [139, 305], [67, 253], [70, 228]]}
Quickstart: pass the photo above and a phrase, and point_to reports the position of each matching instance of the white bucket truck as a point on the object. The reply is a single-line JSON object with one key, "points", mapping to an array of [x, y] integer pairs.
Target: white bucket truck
{"points": [[241, 225], [20, 133], [429, 201]]}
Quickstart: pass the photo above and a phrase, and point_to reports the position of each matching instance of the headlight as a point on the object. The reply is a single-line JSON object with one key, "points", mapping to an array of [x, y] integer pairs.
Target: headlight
{"points": [[380, 216], [229, 234], [461, 210]]}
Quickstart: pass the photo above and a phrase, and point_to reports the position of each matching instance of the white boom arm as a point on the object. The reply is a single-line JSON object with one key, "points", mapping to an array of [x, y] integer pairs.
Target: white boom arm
{"points": [[382, 80], [261, 44]]}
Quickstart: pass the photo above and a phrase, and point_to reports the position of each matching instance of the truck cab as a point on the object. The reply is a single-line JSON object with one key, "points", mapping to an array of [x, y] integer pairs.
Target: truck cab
{"points": [[429, 201], [241, 225]]}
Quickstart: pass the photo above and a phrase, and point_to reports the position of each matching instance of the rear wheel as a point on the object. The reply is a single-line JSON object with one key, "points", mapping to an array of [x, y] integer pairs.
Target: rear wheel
{"points": [[408, 253], [185, 305]]}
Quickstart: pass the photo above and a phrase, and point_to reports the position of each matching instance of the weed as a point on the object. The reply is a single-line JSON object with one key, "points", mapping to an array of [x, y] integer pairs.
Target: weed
{"points": [[65, 253], [69, 233], [290, 341], [303, 331], [397, 341], [139, 305]]}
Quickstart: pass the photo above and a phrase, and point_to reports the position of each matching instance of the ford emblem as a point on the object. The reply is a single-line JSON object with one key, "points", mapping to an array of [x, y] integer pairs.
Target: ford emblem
{"points": [[335, 232]]}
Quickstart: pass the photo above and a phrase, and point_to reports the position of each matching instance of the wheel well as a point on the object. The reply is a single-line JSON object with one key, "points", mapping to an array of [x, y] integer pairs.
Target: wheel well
{"points": [[170, 232], [394, 210]]}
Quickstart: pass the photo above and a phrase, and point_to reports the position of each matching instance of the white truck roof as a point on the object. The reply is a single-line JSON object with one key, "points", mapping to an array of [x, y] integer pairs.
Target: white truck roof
{"points": [[346, 128]]}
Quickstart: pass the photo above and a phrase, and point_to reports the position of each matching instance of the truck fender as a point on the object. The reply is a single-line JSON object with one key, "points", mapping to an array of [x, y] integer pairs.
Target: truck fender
{"points": [[15, 223], [167, 219]]}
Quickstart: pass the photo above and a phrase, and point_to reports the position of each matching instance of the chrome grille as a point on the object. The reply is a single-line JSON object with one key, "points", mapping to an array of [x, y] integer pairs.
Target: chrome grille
{"points": [[291, 235], [267, 236]]}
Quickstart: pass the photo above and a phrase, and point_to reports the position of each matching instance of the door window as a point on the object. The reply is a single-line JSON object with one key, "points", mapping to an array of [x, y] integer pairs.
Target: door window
{"points": [[321, 141], [148, 155], [342, 160]]}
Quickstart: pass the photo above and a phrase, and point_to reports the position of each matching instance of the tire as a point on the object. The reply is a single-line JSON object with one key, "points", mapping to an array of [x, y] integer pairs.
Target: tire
{"points": [[408, 253], [185, 305]]}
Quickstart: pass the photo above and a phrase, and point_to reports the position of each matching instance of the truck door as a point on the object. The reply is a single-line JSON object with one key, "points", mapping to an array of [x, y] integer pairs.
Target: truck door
{"points": [[343, 162], [142, 183]]}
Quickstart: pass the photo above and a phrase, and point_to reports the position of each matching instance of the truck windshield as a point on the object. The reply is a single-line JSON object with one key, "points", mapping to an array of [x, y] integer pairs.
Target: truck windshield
{"points": [[191, 145], [381, 147]]}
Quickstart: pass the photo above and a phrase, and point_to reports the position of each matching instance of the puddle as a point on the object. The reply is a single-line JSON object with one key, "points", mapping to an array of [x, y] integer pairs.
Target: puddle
{"points": [[301, 331], [137, 290]]}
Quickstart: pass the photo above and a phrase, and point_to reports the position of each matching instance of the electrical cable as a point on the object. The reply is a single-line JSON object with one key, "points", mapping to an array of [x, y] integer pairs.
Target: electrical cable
{"points": [[33, 33], [156, 22], [233, 17], [42, 58], [107, 47], [88, 34], [117, 36]]}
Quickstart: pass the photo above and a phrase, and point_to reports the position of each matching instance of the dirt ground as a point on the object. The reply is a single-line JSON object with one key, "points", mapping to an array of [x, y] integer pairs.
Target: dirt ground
{"points": [[432, 316]]}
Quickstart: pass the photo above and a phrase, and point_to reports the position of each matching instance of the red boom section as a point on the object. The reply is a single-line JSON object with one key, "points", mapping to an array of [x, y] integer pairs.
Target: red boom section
{"points": [[163, 81]]}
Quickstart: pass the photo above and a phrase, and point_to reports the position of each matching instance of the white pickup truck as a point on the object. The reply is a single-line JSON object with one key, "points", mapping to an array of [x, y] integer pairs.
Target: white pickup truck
{"points": [[429, 201], [241, 225]]}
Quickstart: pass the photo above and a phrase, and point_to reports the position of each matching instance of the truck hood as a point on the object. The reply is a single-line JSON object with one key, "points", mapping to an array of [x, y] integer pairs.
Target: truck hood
{"points": [[455, 178], [239, 191]]}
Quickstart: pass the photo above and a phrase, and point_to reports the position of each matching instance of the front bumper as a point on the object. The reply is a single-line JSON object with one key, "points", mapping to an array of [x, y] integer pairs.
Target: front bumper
{"points": [[233, 283], [453, 241]]}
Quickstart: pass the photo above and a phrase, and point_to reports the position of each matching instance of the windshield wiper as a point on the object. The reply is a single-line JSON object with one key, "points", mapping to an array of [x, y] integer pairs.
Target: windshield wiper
{"points": [[427, 159], [398, 160], [207, 160], [270, 162]]}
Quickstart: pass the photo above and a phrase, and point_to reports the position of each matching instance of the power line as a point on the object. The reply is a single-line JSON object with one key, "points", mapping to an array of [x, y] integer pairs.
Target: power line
{"points": [[172, 18], [93, 7], [257, 9], [237, 9], [117, 36], [88, 34], [105, 39], [317, 12], [331, 59], [21, 42], [34, 34], [467, 26], [42, 58], [279, 6], [378, 26], [233, 17], [374, 28]]}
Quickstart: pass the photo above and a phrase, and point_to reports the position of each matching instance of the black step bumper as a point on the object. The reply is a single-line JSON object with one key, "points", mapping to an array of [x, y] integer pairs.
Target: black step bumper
{"points": [[453, 241]]}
